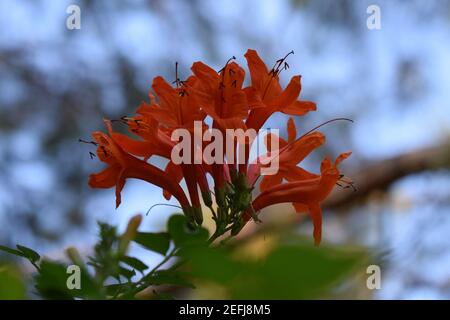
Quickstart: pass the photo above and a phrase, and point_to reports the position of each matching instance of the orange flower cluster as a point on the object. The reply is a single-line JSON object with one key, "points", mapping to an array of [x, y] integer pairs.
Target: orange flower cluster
{"points": [[222, 97]]}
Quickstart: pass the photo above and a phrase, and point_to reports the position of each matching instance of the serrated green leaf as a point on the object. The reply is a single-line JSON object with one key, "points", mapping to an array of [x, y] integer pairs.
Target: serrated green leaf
{"points": [[30, 254], [134, 263], [157, 242]]}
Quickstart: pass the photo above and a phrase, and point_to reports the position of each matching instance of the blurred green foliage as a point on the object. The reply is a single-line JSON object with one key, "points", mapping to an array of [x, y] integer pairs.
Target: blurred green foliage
{"points": [[12, 286], [292, 269]]}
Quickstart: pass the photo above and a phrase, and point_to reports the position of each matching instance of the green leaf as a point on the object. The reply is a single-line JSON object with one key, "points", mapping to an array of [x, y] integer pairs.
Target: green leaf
{"points": [[134, 263], [168, 277], [213, 264], [118, 288], [127, 273], [294, 272], [184, 234], [51, 281], [11, 251], [158, 242], [30, 254]]}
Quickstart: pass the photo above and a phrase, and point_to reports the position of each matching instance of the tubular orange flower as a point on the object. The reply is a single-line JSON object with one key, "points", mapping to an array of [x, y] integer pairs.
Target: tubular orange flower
{"points": [[178, 107], [267, 95], [308, 194], [268, 91], [222, 97], [122, 165], [290, 154]]}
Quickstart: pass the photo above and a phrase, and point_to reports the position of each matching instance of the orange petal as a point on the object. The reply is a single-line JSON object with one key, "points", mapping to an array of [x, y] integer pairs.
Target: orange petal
{"points": [[208, 76], [289, 95], [268, 141], [253, 98], [302, 147], [136, 147], [175, 173], [164, 116], [106, 178], [300, 207], [258, 69], [298, 108], [231, 123], [342, 157], [119, 186], [326, 164], [270, 181], [292, 131], [296, 174], [316, 216]]}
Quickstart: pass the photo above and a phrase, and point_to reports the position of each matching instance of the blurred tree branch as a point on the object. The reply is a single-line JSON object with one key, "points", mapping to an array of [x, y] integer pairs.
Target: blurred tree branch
{"points": [[375, 176], [381, 174]]}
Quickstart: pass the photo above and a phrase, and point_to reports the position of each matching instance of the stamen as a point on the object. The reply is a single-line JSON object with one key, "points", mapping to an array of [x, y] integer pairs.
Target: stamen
{"points": [[226, 64], [92, 155], [177, 80], [88, 142], [347, 184], [322, 124], [221, 84], [162, 204], [123, 120], [313, 129], [275, 71]]}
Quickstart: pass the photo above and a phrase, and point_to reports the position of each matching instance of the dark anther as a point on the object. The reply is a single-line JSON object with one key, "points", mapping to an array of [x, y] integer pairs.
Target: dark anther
{"points": [[277, 67], [88, 142], [91, 155], [226, 64], [123, 120], [346, 184], [178, 81]]}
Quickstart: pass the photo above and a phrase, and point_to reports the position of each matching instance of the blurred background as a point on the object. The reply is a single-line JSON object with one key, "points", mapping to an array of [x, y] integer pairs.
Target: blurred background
{"points": [[57, 84]]}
